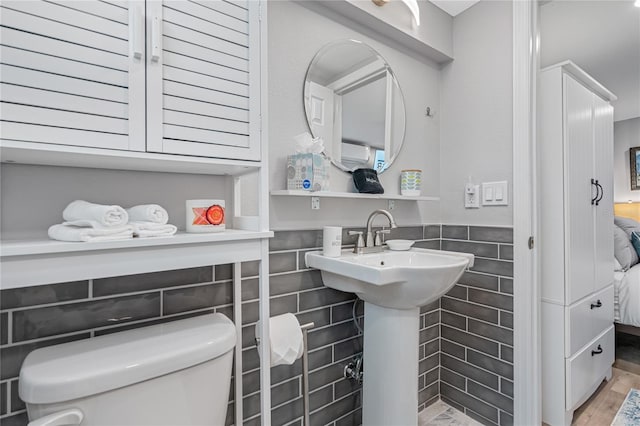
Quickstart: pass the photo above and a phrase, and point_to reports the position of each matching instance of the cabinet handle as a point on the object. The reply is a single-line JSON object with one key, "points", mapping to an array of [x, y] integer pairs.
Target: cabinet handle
{"points": [[598, 351], [598, 304], [137, 37], [601, 192], [595, 183], [155, 39]]}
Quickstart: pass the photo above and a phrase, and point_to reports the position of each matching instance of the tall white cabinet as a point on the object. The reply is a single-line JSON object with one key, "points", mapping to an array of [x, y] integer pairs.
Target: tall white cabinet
{"points": [[575, 149]]}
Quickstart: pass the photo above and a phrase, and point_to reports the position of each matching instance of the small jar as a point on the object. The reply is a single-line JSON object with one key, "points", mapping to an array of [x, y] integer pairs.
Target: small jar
{"points": [[410, 181]]}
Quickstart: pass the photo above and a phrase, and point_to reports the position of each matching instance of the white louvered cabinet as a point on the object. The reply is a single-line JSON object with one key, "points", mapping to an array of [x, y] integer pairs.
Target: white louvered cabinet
{"points": [[169, 77], [575, 148], [68, 75], [203, 78]]}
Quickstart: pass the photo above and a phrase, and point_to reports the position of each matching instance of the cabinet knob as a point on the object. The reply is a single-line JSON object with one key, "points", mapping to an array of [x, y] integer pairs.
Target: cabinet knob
{"points": [[598, 304], [597, 351]]}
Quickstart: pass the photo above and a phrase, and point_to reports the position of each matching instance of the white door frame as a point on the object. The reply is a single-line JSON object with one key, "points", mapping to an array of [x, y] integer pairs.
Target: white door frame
{"points": [[527, 370]]}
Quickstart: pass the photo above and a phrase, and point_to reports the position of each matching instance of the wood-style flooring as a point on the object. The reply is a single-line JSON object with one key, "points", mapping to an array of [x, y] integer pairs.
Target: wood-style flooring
{"points": [[602, 407]]}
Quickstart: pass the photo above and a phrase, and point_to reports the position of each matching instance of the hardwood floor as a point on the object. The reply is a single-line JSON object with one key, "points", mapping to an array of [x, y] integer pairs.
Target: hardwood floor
{"points": [[602, 407]]}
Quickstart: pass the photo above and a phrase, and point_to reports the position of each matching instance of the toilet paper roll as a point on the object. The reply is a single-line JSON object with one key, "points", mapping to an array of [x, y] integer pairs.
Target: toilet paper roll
{"points": [[285, 338]]}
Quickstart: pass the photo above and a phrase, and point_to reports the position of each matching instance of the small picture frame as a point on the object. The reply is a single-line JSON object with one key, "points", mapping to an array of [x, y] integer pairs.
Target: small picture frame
{"points": [[634, 163]]}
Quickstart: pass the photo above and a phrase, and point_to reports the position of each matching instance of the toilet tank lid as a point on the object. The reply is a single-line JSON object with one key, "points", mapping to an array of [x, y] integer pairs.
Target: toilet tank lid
{"points": [[88, 367]]}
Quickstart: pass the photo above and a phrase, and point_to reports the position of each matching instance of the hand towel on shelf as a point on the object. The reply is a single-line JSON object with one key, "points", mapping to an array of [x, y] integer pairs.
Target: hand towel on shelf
{"points": [[104, 215], [93, 224], [151, 229], [148, 213], [63, 232]]}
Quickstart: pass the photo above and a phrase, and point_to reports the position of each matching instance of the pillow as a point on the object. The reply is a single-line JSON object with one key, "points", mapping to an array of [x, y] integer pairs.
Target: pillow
{"points": [[616, 265], [623, 250], [635, 241], [627, 225]]}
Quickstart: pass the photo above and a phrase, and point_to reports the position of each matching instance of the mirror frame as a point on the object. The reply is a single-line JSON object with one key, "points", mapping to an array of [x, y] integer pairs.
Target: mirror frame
{"points": [[389, 72]]}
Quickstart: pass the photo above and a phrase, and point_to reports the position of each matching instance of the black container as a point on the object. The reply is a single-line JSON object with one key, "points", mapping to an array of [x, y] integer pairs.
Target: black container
{"points": [[366, 181]]}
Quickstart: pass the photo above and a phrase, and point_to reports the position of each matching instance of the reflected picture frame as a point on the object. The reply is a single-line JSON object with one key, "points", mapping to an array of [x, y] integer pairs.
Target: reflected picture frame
{"points": [[634, 167]]}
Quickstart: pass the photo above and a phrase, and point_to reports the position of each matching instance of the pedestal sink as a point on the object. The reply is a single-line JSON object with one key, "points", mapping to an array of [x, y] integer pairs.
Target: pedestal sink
{"points": [[393, 284]]}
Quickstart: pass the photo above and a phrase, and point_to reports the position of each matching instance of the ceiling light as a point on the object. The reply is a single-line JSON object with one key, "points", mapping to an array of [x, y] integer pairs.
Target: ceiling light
{"points": [[412, 5], [637, 3]]}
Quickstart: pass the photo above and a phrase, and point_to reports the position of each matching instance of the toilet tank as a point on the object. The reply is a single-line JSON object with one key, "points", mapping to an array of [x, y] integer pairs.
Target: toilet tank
{"points": [[177, 373]]}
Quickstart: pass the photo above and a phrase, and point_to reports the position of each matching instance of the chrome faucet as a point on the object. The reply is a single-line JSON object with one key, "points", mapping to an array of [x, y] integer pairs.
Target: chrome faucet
{"points": [[372, 244]]}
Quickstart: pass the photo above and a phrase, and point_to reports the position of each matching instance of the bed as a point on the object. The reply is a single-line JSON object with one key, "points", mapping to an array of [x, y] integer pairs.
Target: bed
{"points": [[627, 297], [626, 278]]}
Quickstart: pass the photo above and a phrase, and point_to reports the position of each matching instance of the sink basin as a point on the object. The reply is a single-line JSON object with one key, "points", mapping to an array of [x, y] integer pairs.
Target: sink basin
{"points": [[392, 279]]}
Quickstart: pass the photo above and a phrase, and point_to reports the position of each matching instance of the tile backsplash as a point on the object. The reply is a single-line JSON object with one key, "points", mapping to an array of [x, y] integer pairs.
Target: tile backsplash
{"points": [[466, 338], [476, 344]]}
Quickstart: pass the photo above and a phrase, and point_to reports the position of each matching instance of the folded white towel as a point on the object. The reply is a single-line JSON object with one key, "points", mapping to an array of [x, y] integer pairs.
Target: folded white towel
{"points": [[104, 215], [148, 213], [89, 224], [150, 229], [75, 233]]}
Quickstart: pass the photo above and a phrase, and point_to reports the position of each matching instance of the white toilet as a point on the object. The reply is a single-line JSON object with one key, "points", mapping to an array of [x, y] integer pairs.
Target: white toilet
{"points": [[176, 373]]}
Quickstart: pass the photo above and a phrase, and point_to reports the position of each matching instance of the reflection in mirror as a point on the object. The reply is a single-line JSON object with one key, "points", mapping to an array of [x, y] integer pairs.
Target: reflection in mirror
{"points": [[353, 102]]}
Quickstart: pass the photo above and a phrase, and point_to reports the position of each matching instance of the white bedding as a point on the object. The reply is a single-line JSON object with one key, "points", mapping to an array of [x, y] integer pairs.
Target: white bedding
{"points": [[627, 296]]}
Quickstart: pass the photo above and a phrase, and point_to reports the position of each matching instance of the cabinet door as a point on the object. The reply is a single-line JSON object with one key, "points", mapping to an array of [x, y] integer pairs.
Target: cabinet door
{"points": [[579, 160], [203, 78], [603, 148], [69, 75]]}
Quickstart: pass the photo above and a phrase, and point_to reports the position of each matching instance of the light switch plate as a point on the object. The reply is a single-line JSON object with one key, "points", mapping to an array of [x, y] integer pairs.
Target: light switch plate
{"points": [[495, 193]]}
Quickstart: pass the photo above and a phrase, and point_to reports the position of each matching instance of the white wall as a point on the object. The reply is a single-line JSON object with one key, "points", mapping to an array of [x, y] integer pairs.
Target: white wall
{"points": [[603, 38], [626, 135], [33, 197], [296, 33], [476, 112]]}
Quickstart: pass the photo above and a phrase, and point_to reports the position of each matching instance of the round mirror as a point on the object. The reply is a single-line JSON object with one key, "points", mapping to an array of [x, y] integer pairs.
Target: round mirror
{"points": [[353, 102]]}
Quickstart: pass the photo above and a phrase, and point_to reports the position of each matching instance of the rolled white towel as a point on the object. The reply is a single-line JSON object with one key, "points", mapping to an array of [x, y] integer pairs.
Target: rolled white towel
{"points": [[104, 215], [148, 213], [150, 229], [63, 232]]}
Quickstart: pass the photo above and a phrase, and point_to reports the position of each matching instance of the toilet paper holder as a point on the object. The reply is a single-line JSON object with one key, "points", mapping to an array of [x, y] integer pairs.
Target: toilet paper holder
{"points": [[305, 370]]}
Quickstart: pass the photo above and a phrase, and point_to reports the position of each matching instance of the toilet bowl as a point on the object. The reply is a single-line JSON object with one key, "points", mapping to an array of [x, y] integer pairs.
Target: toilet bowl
{"points": [[177, 373]]}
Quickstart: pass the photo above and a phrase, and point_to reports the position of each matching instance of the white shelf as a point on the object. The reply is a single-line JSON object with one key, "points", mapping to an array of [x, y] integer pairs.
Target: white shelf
{"points": [[74, 156], [352, 195], [377, 21], [10, 248], [42, 261]]}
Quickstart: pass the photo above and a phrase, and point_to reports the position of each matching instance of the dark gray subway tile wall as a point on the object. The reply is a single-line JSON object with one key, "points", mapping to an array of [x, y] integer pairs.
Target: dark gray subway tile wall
{"points": [[334, 341], [477, 326], [23, 297], [41, 316]]}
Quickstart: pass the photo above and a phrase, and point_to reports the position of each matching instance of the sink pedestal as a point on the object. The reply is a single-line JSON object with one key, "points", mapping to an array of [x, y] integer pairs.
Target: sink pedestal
{"points": [[390, 385]]}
